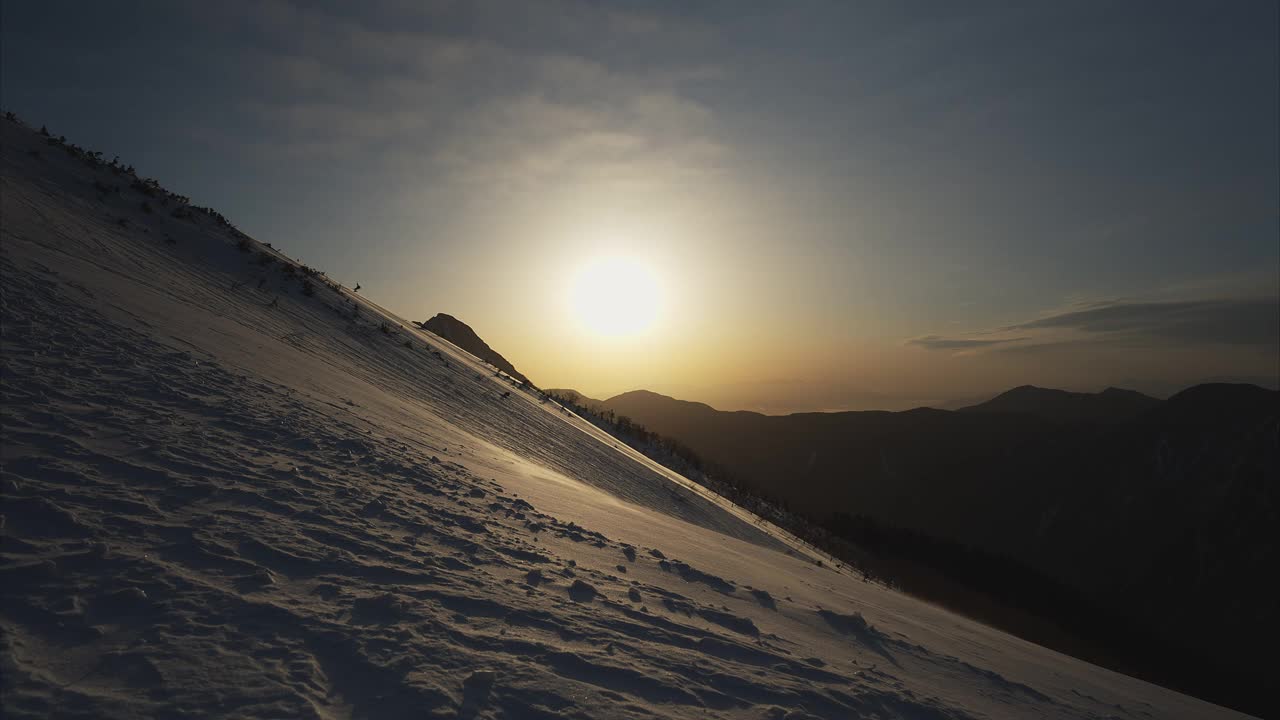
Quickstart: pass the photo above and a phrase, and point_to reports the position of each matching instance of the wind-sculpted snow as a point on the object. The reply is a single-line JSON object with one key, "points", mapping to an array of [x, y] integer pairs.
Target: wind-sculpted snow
{"points": [[225, 497]]}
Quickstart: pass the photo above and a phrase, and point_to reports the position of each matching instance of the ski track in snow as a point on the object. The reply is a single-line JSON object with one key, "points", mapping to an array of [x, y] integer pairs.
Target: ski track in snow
{"points": [[223, 498]]}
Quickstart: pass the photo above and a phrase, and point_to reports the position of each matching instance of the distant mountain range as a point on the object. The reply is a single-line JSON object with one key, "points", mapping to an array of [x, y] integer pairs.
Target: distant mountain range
{"points": [[1110, 405], [1166, 511], [459, 333]]}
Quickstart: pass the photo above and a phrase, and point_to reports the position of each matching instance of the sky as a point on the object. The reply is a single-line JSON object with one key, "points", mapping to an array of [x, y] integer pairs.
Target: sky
{"points": [[813, 206]]}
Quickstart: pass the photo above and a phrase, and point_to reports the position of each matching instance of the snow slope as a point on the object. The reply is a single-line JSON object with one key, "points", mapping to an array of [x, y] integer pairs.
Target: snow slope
{"points": [[223, 497]]}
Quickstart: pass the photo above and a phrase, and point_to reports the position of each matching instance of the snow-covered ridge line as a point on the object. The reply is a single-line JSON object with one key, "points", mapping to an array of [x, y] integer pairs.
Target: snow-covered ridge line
{"points": [[364, 314], [223, 496]]}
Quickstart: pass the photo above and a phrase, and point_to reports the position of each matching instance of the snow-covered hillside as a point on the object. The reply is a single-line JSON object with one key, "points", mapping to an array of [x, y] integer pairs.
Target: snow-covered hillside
{"points": [[226, 497]]}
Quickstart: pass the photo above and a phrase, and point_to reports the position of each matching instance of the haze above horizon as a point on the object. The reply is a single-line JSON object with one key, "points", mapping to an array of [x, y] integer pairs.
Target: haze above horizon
{"points": [[814, 206]]}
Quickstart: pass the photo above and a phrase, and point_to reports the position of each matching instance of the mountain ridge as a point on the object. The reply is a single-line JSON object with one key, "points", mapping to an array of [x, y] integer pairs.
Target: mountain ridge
{"points": [[1110, 405], [459, 333], [1137, 484]]}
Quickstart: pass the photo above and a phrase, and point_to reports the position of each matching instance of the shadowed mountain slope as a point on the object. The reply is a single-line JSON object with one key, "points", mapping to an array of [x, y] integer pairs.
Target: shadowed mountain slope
{"points": [[1161, 511], [1110, 405], [574, 397], [459, 333]]}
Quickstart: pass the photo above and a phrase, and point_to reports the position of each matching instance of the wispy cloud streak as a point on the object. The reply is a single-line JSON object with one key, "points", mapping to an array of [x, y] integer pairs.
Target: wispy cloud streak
{"points": [[1191, 323]]}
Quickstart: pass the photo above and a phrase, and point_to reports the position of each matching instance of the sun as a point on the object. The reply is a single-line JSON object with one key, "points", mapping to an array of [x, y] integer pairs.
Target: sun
{"points": [[616, 297]]}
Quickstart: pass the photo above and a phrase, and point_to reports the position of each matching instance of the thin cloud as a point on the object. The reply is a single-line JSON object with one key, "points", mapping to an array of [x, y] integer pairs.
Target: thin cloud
{"points": [[1245, 321], [938, 342], [465, 104]]}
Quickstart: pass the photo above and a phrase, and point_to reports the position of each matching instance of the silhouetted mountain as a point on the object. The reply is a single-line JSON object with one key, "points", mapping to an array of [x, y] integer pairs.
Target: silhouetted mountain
{"points": [[459, 333], [1110, 405], [574, 397], [1163, 512], [643, 403], [1218, 400]]}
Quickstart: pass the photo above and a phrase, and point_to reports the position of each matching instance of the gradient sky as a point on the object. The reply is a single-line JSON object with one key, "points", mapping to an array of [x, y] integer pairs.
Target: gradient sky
{"points": [[848, 205]]}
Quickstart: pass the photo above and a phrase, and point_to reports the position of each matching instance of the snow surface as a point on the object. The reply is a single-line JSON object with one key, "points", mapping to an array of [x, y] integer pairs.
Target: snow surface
{"points": [[225, 498]]}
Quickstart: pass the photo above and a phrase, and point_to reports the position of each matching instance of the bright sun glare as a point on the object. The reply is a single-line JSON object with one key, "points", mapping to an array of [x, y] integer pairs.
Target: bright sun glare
{"points": [[616, 297]]}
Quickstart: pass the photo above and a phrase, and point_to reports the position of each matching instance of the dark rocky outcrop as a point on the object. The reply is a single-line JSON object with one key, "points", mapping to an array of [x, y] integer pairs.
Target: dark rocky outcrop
{"points": [[459, 333]]}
